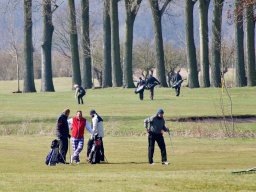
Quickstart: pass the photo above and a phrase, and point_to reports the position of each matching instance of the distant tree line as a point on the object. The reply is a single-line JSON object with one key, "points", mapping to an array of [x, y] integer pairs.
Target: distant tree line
{"points": [[114, 65]]}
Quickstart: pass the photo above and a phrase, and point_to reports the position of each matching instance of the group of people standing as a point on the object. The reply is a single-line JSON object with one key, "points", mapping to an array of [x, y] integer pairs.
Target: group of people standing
{"points": [[150, 83], [155, 126], [77, 126]]}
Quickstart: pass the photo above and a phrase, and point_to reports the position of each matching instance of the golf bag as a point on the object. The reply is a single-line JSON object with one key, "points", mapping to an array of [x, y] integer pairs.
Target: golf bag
{"points": [[54, 155], [177, 84], [151, 85], [139, 89], [95, 153]]}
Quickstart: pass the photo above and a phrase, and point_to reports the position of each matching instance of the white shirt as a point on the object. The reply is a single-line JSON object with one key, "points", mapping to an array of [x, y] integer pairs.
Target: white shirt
{"points": [[97, 127]]}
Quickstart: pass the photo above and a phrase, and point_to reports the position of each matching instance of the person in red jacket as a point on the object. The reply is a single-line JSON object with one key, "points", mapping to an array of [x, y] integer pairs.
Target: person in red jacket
{"points": [[77, 125]]}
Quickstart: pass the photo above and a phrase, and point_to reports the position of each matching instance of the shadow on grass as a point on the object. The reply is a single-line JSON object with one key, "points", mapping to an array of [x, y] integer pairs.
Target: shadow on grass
{"points": [[117, 163]]}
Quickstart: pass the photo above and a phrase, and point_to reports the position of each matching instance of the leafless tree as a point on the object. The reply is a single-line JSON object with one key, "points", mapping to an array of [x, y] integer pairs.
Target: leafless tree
{"points": [[29, 85], [144, 59], [132, 8], [158, 8]]}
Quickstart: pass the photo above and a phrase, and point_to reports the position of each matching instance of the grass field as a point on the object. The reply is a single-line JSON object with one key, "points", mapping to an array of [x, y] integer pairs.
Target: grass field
{"points": [[202, 159]]}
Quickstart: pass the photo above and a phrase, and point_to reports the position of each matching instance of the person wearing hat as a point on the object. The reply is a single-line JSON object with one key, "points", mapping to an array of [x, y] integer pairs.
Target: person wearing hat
{"points": [[80, 92], [155, 126], [97, 129]]}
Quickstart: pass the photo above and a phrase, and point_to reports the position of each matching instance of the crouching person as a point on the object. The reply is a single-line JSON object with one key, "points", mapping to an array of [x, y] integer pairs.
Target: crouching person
{"points": [[96, 138], [155, 125], [77, 125]]}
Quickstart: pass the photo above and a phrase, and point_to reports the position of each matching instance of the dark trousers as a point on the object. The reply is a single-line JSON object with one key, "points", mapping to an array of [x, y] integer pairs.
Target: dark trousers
{"points": [[89, 147], [151, 93], [177, 89], [152, 137], [63, 141], [80, 98], [141, 93]]}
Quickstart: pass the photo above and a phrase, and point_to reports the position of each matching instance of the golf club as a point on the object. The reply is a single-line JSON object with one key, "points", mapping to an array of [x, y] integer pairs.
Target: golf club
{"points": [[69, 151], [105, 158], [172, 150]]}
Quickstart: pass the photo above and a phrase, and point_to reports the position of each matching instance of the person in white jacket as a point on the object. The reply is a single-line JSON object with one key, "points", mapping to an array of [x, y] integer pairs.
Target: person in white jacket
{"points": [[97, 128]]}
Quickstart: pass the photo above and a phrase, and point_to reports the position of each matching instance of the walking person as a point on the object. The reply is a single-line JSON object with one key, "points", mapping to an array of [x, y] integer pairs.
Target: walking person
{"points": [[177, 83], [79, 93], [62, 133], [151, 83], [155, 126], [140, 87], [97, 128], [77, 125]]}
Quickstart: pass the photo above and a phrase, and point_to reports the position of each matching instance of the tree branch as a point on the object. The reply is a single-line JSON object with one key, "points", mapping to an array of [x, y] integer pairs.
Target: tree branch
{"points": [[162, 10], [194, 1], [136, 7]]}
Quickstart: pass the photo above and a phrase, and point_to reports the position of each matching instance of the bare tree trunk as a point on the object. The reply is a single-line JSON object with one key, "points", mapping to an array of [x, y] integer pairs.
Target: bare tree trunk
{"points": [[18, 70], [216, 43], [46, 48], [132, 8], [115, 46], [76, 73], [250, 46], [107, 71], [190, 45], [204, 47], [239, 40], [127, 72], [157, 19], [29, 84], [86, 48]]}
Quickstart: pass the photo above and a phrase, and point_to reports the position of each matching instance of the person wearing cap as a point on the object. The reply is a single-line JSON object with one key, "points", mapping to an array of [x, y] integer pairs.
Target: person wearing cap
{"points": [[151, 83], [155, 126], [62, 133], [79, 93], [97, 128], [77, 125]]}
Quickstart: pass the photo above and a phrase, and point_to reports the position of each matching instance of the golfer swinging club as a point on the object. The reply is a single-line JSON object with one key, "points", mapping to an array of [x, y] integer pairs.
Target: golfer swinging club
{"points": [[156, 126]]}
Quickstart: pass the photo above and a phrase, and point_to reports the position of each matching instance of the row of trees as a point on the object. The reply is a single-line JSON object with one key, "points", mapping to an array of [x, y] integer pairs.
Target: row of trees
{"points": [[241, 8], [114, 73]]}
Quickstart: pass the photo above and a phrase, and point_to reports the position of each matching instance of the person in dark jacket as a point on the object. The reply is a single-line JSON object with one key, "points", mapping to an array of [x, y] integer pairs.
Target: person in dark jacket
{"points": [[155, 125], [62, 132], [151, 83], [177, 82], [80, 92], [141, 84]]}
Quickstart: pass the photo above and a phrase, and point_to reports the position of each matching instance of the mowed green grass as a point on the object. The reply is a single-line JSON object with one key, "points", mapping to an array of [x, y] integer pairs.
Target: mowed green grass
{"points": [[123, 111], [27, 123], [196, 165]]}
